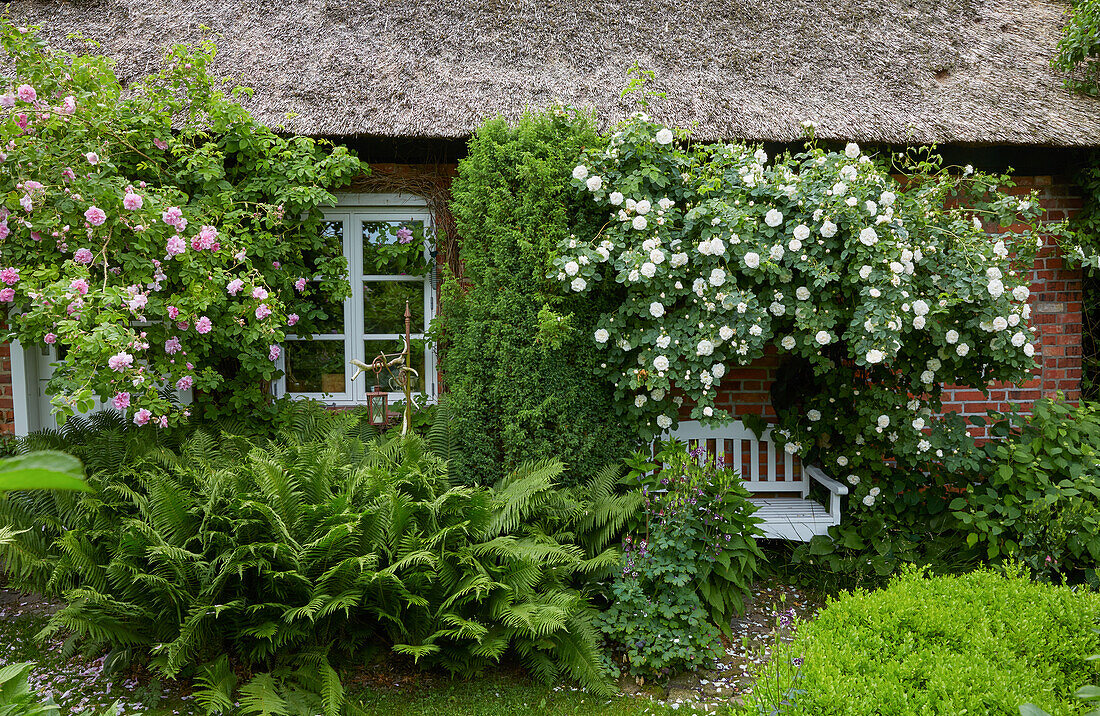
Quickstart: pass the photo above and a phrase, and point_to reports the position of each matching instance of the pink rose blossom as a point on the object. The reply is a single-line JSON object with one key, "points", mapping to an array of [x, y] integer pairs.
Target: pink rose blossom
{"points": [[300, 284], [7, 101], [163, 421], [185, 382], [259, 293], [75, 306], [172, 216], [92, 158], [292, 319], [4, 230], [21, 120], [239, 256], [234, 287], [68, 174], [27, 93], [183, 325], [50, 338], [173, 312], [10, 275], [79, 285], [138, 302], [121, 401], [132, 201], [203, 325], [175, 246], [160, 144], [120, 361], [31, 186], [36, 236], [404, 235], [142, 417], [262, 311], [172, 345], [95, 216], [68, 105], [273, 353], [189, 366], [206, 238], [26, 202], [83, 256], [7, 295]]}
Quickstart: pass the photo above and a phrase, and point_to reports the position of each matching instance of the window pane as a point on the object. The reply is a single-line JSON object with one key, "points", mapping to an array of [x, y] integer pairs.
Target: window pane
{"points": [[384, 306], [393, 346], [322, 314], [394, 247], [330, 244], [315, 366]]}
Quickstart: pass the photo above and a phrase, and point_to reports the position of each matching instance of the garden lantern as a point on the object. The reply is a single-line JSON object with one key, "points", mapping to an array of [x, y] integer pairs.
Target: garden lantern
{"points": [[377, 401]]}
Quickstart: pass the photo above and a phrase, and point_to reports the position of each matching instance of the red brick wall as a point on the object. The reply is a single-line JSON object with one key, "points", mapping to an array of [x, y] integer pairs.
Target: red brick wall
{"points": [[7, 405]]}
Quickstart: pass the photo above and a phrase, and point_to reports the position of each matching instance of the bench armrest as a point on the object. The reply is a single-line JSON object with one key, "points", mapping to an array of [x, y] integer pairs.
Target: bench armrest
{"points": [[837, 488]]}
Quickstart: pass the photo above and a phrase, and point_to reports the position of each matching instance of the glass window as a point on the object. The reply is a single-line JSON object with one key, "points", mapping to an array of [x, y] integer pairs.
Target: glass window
{"points": [[389, 255]]}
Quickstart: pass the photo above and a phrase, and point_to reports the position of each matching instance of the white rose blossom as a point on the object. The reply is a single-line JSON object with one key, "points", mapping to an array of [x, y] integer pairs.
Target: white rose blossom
{"points": [[704, 348], [773, 218], [664, 136], [602, 335], [639, 223], [828, 229], [579, 284], [594, 183], [661, 363], [580, 172], [851, 150], [616, 198], [752, 259], [571, 268], [656, 309]]}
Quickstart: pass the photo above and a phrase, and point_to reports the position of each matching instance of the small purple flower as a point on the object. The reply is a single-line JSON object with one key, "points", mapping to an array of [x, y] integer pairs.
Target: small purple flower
{"points": [[404, 235]]}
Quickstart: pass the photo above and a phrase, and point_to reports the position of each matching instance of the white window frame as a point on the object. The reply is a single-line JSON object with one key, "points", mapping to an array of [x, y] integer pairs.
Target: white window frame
{"points": [[353, 209]]}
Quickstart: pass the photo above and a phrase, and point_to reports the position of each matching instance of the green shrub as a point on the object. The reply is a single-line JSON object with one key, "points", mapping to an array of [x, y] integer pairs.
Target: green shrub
{"points": [[687, 567], [517, 354], [1038, 498], [319, 547], [980, 643]]}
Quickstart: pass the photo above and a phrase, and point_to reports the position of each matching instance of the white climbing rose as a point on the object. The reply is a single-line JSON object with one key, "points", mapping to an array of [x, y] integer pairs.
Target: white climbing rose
{"points": [[752, 259], [823, 338], [851, 150], [787, 342], [579, 284], [664, 422], [802, 293], [717, 277], [705, 348], [661, 363], [594, 183], [1019, 338], [813, 415], [571, 268], [962, 349], [664, 136], [773, 218], [828, 229], [952, 336], [616, 198], [883, 421], [802, 232], [656, 309], [868, 237], [875, 356], [1020, 293], [602, 335], [725, 333], [639, 223], [580, 172]]}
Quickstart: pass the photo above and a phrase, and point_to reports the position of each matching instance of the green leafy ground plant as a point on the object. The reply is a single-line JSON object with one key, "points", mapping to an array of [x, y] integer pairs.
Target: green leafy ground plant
{"points": [[320, 547], [983, 642]]}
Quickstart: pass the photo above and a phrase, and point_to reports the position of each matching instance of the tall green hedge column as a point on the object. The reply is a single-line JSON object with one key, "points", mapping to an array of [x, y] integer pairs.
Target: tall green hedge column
{"points": [[517, 354]]}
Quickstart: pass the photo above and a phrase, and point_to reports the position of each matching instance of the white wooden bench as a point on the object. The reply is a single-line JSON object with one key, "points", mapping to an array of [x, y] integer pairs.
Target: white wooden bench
{"points": [[774, 475]]}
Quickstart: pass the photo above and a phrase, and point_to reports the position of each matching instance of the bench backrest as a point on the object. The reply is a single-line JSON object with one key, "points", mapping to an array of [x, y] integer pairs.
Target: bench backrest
{"points": [[763, 468]]}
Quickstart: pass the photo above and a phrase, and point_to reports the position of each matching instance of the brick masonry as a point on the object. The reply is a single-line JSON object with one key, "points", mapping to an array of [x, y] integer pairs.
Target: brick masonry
{"points": [[1056, 297]]}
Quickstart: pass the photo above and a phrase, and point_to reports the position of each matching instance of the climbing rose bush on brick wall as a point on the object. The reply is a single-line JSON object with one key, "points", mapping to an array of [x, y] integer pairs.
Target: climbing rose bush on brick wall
{"points": [[157, 233], [883, 290]]}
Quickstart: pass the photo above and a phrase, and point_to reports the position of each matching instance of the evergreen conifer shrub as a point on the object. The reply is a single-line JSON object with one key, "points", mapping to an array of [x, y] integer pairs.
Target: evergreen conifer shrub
{"points": [[517, 355]]}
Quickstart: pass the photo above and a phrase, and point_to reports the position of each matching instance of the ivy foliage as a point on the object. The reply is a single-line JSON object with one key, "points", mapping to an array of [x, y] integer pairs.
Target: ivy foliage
{"points": [[517, 355], [295, 555]]}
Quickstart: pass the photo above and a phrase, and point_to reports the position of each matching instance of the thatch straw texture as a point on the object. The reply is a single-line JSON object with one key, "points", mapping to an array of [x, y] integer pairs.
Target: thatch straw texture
{"points": [[897, 71]]}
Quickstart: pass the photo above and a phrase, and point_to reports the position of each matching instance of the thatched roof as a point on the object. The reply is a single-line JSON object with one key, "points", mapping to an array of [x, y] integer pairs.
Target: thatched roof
{"points": [[896, 71]]}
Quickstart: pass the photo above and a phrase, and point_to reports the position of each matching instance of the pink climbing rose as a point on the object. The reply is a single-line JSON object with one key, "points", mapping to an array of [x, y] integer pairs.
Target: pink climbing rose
{"points": [[185, 382], [92, 158], [203, 325], [175, 246], [95, 216], [172, 345], [262, 311], [68, 105], [50, 338], [27, 93], [121, 401], [9, 275], [7, 295], [234, 287], [132, 201], [173, 312], [300, 284], [142, 417], [120, 361], [79, 285], [83, 256], [172, 216], [292, 319], [273, 353], [259, 293]]}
